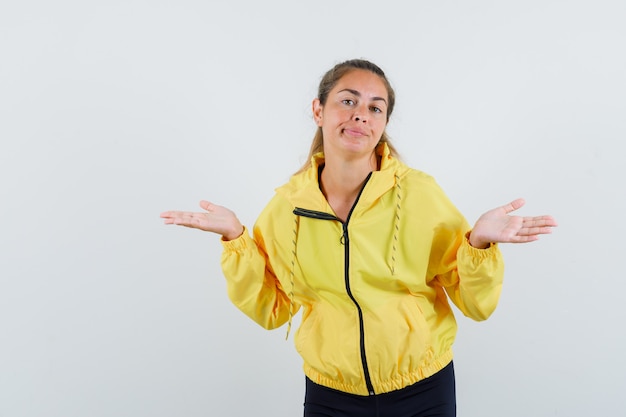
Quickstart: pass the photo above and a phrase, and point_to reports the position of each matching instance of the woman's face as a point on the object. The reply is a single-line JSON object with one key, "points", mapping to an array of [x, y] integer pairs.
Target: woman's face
{"points": [[354, 116]]}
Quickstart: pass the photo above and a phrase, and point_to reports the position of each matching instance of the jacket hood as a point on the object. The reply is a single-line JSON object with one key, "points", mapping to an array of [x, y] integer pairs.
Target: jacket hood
{"points": [[303, 189]]}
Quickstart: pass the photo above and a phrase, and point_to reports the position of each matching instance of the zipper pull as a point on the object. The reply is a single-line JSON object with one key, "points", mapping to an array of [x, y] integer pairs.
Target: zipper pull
{"points": [[344, 236]]}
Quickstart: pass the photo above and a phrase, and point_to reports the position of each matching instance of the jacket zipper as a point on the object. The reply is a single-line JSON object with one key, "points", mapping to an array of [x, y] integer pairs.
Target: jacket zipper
{"points": [[345, 240]]}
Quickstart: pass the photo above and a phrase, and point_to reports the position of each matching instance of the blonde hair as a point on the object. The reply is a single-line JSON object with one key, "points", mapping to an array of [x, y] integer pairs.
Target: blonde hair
{"points": [[328, 82]]}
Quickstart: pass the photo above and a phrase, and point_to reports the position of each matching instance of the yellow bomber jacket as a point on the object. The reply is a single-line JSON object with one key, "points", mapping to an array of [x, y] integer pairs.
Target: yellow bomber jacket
{"points": [[374, 290]]}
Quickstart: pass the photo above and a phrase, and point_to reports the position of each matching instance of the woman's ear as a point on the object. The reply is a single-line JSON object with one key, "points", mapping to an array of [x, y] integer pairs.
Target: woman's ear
{"points": [[317, 111]]}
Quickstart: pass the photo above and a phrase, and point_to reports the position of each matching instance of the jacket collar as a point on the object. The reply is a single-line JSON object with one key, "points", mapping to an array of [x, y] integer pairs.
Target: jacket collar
{"points": [[303, 189]]}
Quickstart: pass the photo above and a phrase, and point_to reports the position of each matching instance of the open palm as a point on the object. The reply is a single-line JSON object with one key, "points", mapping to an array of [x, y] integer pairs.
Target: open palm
{"points": [[498, 225], [216, 219]]}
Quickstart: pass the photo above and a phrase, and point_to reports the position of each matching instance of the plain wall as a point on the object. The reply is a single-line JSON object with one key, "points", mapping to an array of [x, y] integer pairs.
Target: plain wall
{"points": [[112, 112]]}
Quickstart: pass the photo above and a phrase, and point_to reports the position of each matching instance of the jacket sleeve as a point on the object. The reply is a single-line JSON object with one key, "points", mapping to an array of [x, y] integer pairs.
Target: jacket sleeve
{"points": [[471, 277], [474, 286], [251, 281]]}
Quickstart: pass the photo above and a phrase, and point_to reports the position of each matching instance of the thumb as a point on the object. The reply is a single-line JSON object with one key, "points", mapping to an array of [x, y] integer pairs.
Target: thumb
{"points": [[205, 205], [514, 205]]}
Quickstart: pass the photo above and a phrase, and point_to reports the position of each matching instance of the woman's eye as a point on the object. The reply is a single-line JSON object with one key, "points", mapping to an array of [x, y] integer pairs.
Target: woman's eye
{"points": [[348, 101], [376, 110]]}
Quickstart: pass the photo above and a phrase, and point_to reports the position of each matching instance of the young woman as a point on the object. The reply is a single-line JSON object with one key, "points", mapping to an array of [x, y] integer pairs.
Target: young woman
{"points": [[371, 250]]}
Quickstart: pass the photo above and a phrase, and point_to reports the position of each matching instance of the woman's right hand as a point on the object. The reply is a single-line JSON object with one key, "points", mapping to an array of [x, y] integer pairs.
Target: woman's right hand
{"points": [[216, 219]]}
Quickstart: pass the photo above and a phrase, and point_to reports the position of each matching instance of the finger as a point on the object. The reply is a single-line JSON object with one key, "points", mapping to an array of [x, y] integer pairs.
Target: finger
{"points": [[525, 239], [532, 231], [171, 215], [206, 205], [175, 213], [547, 220], [539, 221], [513, 205], [534, 227], [184, 219]]}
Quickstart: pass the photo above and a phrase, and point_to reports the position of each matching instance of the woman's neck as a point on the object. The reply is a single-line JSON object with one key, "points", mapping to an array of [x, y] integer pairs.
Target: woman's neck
{"points": [[341, 181]]}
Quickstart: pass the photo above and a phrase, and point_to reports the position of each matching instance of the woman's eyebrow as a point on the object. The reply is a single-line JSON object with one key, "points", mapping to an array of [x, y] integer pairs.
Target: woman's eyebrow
{"points": [[356, 93]]}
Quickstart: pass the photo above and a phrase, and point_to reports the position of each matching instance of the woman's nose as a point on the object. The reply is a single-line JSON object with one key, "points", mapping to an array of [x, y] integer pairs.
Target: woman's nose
{"points": [[358, 116]]}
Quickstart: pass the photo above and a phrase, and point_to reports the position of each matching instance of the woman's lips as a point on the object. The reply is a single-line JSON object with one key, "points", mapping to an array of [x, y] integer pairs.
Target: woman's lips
{"points": [[354, 132]]}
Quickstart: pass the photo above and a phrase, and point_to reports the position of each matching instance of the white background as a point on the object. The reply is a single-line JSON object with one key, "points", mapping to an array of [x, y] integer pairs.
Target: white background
{"points": [[112, 112]]}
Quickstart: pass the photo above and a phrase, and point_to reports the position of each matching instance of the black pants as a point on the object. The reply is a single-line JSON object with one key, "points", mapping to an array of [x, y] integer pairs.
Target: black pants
{"points": [[432, 397]]}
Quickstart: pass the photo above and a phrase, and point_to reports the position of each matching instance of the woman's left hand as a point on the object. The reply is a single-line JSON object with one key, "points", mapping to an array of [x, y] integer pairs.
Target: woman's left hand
{"points": [[497, 226]]}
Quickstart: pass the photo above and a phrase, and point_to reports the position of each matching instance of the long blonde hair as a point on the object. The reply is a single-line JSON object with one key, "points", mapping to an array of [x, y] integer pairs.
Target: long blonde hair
{"points": [[328, 82]]}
